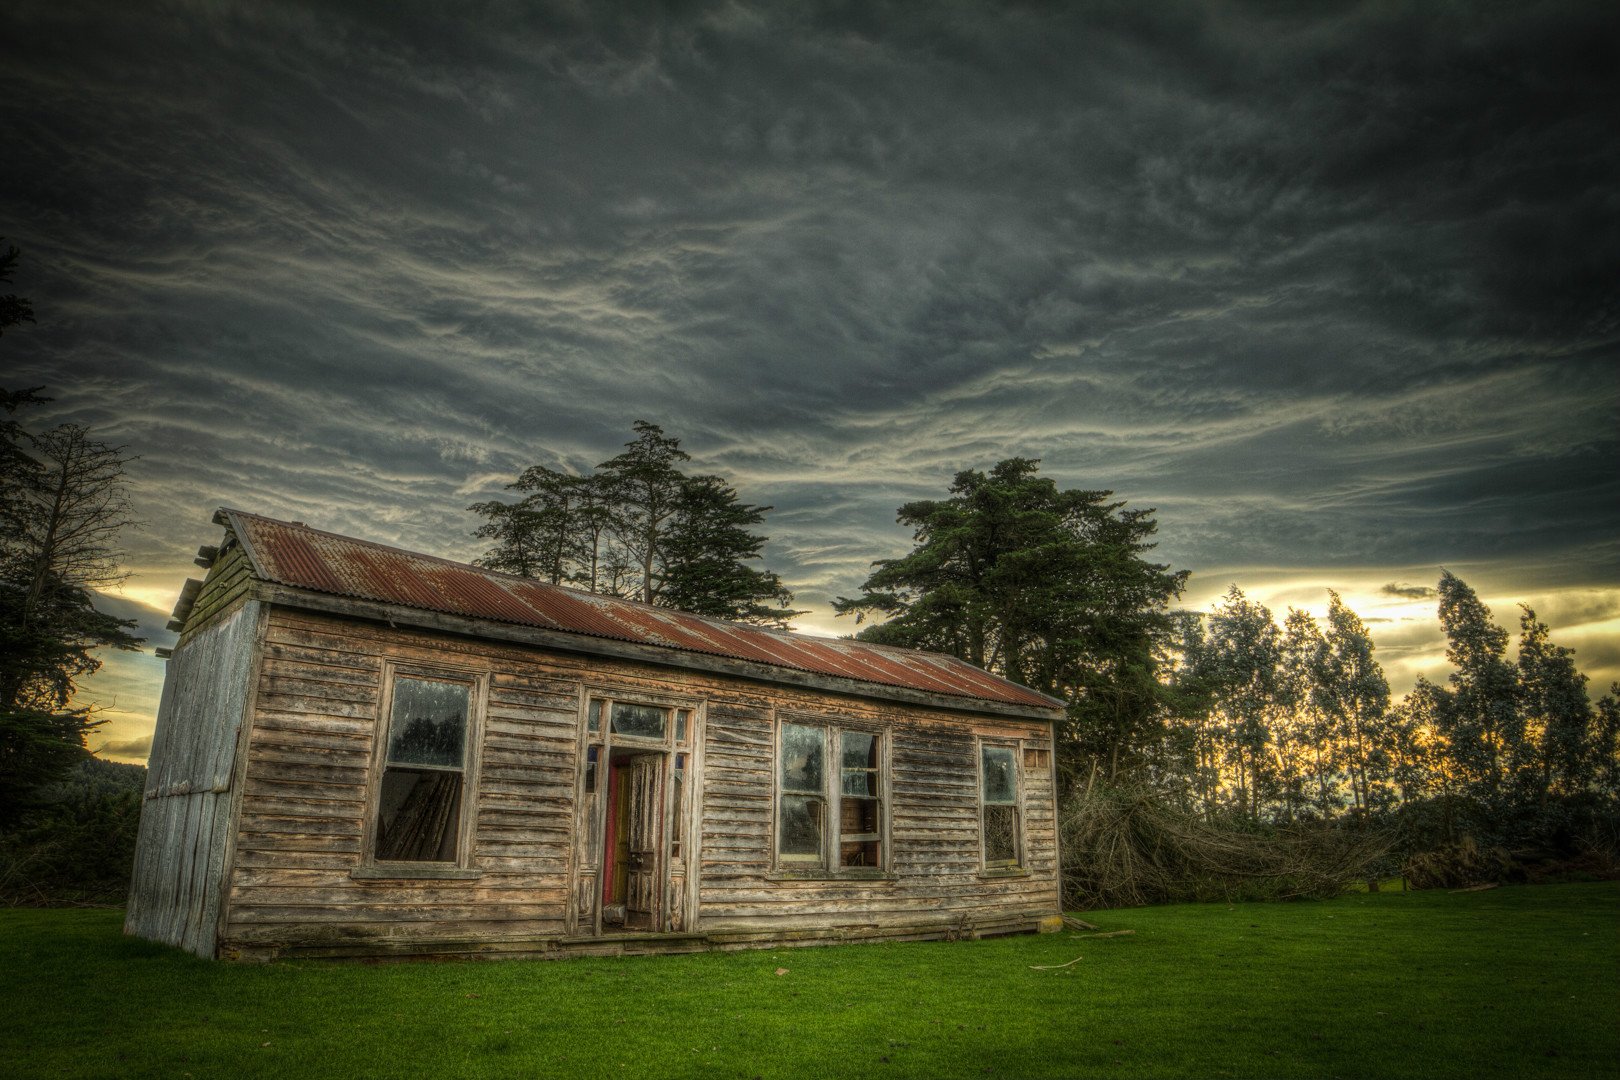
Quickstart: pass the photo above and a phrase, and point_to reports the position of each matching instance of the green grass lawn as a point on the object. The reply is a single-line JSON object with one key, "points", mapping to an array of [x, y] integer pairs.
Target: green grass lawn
{"points": [[1512, 982]]}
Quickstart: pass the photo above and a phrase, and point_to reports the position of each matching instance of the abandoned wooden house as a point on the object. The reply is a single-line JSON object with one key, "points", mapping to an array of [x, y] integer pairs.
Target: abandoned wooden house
{"points": [[365, 751]]}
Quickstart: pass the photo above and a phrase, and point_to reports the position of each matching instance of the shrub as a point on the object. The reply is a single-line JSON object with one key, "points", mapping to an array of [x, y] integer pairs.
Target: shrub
{"points": [[1126, 846]]}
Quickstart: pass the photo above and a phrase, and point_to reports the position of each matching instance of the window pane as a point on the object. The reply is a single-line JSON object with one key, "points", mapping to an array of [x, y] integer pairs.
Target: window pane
{"points": [[860, 853], [675, 806], [680, 724], [1000, 834], [418, 812], [860, 750], [1000, 775], [593, 718], [800, 826], [859, 756], [857, 817], [802, 751], [429, 722], [860, 823], [646, 721]]}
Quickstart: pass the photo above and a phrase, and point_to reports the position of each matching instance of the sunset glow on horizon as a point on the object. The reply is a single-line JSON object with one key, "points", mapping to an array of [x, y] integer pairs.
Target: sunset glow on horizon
{"points": [[1331, 291]]}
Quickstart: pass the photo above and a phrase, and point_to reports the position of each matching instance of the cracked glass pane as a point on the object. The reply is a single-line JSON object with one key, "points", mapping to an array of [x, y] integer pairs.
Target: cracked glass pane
{"points": [[801, 827], [803, 748], [1000, 775], [429, 723]]}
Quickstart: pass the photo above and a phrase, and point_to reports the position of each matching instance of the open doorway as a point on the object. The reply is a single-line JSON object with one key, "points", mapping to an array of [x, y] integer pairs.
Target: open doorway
{"points": [[632, 859]]}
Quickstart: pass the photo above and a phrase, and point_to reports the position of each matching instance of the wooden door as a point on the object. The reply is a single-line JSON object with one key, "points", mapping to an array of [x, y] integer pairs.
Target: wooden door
{"points": [[646, 814]]}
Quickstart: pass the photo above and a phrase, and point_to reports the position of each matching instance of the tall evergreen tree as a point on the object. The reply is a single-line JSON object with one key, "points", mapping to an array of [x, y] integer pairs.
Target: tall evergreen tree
{"points": [[644, 486], [706, 552], [1046, 586], [639, 527], [14, 309], [62, 505]]}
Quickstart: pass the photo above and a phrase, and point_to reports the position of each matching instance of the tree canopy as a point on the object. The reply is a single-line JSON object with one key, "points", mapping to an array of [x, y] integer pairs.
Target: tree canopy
{"points": [[639, 527], [63, 503], [1048, 587]]}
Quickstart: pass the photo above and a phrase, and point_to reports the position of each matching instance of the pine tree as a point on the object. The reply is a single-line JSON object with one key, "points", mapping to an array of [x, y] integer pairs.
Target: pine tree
{"points": [[62, 505], [706, 552], [639, 527], [1048, 587], [643, 485]]}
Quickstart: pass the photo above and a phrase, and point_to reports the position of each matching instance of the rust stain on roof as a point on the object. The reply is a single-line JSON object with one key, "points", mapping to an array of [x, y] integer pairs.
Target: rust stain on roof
{"points": [[295, 555]]}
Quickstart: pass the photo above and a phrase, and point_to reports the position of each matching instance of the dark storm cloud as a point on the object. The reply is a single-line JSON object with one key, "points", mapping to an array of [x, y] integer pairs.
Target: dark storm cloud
{"points": [[1330, 287], [1409, 592]]}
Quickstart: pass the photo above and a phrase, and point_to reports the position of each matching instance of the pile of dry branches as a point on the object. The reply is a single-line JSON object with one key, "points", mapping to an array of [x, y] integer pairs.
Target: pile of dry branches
{"points": [[1128, 846]]}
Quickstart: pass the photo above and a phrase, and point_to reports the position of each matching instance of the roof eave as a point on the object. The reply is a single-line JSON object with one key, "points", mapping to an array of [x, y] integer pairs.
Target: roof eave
{"points": [[398, 614]]}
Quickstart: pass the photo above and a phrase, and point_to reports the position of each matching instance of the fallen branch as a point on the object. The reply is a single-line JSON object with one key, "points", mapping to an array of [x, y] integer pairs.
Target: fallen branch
{"points": [[1078, 924], [1111, 933], [1055, 967]]}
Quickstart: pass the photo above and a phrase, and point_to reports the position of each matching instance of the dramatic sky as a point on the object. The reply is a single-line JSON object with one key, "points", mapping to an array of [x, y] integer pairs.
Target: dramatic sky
{"points": [[1335, 288]]}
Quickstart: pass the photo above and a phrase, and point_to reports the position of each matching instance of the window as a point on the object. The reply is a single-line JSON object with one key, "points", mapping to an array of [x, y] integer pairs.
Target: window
{"points": [[679, 792], [860, 828], [808, 836], [998, 805], [422, 794], [802, 805], [640, 721]]}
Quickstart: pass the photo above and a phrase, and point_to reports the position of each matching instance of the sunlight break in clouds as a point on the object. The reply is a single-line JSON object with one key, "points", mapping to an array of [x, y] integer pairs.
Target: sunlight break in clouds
{"points": [[1333, 291]]}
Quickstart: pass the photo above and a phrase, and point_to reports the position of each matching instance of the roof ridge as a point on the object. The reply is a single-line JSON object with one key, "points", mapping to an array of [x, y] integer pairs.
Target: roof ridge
{"points": [[324, 567], [593, 597]]}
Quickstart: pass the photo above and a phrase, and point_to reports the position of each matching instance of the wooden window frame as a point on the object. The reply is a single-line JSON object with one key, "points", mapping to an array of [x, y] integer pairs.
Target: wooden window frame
{"points": [[477, 683], [1018, 866], [832, 728]]}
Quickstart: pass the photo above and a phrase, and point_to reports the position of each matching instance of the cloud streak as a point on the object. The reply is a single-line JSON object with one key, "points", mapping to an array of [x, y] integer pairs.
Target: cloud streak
{"points": [[1331, 290]]}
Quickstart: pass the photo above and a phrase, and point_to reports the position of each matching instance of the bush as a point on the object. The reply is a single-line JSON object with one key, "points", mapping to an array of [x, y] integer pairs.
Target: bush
{"points": [[1126, 846], [76, 845]]}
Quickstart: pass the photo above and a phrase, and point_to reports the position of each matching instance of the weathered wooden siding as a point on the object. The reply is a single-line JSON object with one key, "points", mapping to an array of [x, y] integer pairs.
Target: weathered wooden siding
{"points": [[181, 850], [933, 812], [304, 805], [303, 811]]}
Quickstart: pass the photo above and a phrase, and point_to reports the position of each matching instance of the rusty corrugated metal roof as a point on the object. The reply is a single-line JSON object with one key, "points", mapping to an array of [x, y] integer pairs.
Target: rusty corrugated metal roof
{"points": [[293, 554]]}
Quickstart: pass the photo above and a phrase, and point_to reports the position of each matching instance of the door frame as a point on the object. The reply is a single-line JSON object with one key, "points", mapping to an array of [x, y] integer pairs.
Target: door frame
{"points": [[608, 743], [620, 772]]}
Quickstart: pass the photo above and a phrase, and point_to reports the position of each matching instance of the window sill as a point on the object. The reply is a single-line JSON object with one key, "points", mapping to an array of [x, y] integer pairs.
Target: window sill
{"points": [[1003, 872], [411, 873], [819, 874]]}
